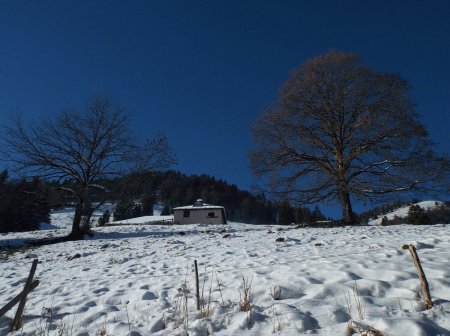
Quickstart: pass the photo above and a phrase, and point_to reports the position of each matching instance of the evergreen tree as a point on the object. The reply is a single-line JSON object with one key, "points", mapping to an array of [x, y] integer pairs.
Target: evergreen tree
{"points": [[31, 204], [3, 177], [126, 209], [285, 213], [317, 215], [104, 219], [440, 214], [166, 210], [302, 215], [417, 215], [148, 202], [23, 205]]}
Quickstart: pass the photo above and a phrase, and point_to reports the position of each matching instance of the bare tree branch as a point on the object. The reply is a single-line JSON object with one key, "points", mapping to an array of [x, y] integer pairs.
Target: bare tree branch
{"points": [[82, 148]]}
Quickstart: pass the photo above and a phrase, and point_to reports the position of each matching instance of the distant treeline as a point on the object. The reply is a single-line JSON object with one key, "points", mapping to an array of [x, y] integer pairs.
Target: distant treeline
{"points": [[174, 189], [24, 204], [136, 194]]}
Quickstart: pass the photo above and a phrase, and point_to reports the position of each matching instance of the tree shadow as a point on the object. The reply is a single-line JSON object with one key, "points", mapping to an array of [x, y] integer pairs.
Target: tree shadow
{"points": [[21, 244], [140, 234]]}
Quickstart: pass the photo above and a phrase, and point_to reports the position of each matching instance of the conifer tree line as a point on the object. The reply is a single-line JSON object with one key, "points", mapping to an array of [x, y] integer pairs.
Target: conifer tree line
{"points": [[136, 194], [24, 204]]}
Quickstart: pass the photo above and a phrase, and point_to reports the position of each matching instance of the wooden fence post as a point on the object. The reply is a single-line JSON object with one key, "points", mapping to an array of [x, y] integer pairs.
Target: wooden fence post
{"points": [[17, 322], [16, 300], [197, 288], [422, 277]]}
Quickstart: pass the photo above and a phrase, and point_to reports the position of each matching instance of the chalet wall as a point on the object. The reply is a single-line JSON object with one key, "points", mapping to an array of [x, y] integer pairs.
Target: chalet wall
{"points": [[200, 216]]}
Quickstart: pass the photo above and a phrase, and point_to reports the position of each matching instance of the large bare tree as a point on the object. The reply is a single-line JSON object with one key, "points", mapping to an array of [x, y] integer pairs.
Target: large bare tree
{"points": [[81, 148], [340, 129]]}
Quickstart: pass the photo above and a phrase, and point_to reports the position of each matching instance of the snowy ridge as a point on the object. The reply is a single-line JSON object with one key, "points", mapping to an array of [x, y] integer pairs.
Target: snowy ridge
{"points": [[150, 267], [403, 212]]}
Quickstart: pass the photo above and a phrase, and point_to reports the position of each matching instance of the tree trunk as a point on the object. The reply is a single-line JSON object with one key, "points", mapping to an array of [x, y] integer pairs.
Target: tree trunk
{"points": [[76, 233], [86, 213], [347, 210], [83, 213]]}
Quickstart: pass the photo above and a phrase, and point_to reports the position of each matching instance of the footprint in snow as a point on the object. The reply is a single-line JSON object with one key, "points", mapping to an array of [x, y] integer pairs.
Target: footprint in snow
{"points": [[102, 290], [149, 296], [163, 299]]}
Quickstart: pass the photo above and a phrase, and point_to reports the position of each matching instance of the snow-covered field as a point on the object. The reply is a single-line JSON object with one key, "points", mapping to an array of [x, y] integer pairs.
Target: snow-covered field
{"points": [[139, 279]]}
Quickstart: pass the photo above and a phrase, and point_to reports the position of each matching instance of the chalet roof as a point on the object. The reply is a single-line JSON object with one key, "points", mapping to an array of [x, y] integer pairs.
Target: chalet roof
{"points": [[199, 205]]}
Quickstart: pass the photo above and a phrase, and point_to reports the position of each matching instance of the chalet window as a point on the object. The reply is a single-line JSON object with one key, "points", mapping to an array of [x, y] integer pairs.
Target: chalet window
{"points": [[211, 215], [186, 213]]}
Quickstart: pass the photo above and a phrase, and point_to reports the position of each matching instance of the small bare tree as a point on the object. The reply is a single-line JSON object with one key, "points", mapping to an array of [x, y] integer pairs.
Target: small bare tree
{"points": [[340, 129], [81, 148]]}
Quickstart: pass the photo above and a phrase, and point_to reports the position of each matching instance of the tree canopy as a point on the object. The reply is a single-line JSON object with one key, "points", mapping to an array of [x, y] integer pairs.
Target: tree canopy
{"points": [[341, 130], [81, 147]]}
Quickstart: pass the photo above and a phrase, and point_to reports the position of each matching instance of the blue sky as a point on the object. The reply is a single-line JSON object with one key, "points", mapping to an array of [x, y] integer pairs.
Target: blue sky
{"points": [[201, 71]]}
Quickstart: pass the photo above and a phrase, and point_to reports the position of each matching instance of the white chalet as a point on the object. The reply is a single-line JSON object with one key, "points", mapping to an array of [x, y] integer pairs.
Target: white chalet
{"points": [[199, 213]]}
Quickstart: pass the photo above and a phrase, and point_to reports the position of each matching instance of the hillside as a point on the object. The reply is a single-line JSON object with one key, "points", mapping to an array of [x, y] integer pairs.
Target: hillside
{"points": [[402, 212], [173, 189]]}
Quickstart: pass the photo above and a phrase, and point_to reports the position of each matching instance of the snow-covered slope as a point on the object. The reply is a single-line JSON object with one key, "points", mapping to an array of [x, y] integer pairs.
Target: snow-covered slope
{"points": [[403, 212], [141, 278], [62, 218]]}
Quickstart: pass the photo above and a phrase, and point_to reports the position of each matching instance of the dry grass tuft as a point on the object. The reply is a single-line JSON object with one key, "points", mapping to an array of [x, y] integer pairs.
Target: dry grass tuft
{"points": [[361, 329], [206, 309], [181, 309], [358, 328], [275, 292], [244, 302], [354, 296], [101, 332]]}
